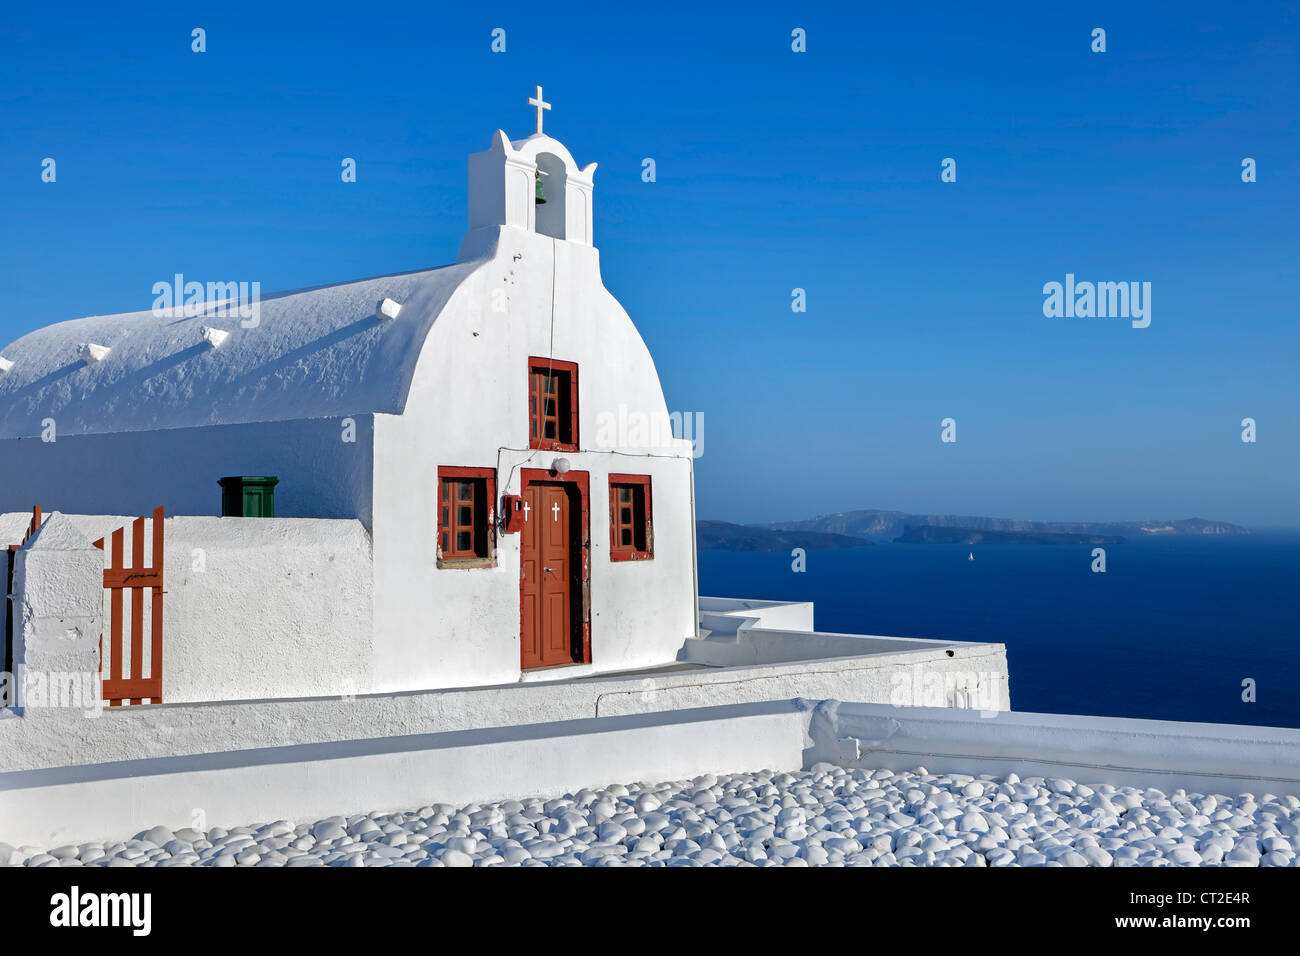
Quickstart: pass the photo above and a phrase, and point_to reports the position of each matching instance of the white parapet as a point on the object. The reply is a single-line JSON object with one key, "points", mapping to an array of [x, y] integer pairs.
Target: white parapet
{"points": [[107, 801], [1164, 754], [90, 353], [214, 337]]}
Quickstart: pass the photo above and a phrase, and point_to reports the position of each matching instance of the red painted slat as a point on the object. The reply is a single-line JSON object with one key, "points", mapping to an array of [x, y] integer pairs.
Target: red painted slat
{"points": [[137, 601], [131, 688], [155, 666], [115, 613], [131, 578]]}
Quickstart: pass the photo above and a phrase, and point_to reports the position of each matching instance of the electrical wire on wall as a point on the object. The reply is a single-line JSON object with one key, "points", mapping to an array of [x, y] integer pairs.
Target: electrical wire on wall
{"points": [[550, 360], [550, 366]]}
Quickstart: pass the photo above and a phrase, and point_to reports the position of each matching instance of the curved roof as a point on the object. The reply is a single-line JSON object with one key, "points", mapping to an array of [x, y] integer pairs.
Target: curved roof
{"points": [[314, 353]]}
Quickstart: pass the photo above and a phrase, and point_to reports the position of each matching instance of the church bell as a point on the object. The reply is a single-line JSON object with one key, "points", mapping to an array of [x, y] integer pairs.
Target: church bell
{"points": [[541, 200]]}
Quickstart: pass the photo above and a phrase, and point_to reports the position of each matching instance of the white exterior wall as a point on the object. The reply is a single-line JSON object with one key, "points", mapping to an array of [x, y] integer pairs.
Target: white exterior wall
{"points": [[468, 406], [131, 473]]}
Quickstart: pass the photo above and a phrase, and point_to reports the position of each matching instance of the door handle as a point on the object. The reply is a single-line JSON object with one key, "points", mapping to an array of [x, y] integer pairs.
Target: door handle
{"points": [[548, 569]]}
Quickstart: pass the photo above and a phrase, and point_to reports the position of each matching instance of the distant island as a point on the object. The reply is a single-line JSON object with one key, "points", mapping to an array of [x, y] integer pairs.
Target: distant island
{"points": [[888, 525], [936, 534], [724, 536], [855, 529]]}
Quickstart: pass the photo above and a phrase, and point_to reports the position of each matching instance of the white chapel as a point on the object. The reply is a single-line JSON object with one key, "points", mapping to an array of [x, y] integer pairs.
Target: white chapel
{"points": [[458, 414]]}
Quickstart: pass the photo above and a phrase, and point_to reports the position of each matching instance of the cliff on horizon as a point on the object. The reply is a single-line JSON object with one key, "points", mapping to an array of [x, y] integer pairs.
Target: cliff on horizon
{"points": [[873, 524], [937, 534], [724, 536]]}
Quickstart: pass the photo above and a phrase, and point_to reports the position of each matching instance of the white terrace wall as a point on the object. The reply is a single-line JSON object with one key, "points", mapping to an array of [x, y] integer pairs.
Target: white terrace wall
{"points": [[321, 475], [253, 607], [780, 615], [108, 801], [1223, 759]]}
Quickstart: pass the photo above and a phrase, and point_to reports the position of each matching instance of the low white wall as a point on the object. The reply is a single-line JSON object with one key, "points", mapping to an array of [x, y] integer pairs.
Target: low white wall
{"points": [[762, 645], [781, 615], [115, 801], [384, 771], [252, 607], [266, 607], [67, 736], [1208, 758]]}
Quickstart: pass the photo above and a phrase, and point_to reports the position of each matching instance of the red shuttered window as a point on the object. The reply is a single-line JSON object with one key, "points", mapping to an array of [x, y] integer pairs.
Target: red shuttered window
{"points": [[466, 537], [631, 524], [552, 405]]}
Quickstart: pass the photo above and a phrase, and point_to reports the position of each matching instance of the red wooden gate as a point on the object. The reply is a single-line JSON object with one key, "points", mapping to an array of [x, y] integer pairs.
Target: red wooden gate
{"points": [[119, 578]]}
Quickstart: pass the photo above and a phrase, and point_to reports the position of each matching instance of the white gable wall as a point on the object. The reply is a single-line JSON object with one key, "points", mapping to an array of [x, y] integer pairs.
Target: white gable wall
{"points": [[468, 406]]}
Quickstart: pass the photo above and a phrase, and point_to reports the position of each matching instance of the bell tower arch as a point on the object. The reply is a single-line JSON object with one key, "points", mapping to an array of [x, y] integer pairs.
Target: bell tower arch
{"points": [[503, 186]]}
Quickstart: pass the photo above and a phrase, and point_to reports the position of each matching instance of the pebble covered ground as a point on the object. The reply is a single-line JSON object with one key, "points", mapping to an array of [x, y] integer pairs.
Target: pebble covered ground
{"points": [[828, 816]]}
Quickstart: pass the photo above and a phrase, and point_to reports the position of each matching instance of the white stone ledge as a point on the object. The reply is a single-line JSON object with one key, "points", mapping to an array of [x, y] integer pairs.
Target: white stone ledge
{"points": [[116, 800], [1166, 755], [59, 737]]}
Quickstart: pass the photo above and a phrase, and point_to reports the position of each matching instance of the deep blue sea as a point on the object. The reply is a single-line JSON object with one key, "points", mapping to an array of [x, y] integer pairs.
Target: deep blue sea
{"points": [[1169, 631]]}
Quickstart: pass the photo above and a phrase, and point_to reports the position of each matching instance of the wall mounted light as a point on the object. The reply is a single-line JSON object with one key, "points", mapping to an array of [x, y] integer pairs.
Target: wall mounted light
{"points": [[560, 466], [5, 364], [387, 309]]}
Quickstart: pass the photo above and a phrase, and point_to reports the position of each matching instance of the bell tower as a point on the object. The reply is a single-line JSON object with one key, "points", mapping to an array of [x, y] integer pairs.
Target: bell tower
{"points": [[504, 186]]}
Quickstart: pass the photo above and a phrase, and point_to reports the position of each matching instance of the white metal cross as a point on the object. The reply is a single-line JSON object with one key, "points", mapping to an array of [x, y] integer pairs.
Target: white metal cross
{"points": [[555, 511], [527, 508], [541, 104]]}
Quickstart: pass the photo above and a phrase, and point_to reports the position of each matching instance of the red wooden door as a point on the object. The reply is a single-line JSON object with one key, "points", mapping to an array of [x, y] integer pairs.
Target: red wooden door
{"points": [[546, 574]]}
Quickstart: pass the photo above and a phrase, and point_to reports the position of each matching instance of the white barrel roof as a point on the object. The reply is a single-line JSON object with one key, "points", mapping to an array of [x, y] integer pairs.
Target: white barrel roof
{"points": [[314, 353]]}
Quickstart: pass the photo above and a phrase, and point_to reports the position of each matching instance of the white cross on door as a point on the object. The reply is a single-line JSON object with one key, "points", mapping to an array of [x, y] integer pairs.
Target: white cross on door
{"points": [[555, 511]]}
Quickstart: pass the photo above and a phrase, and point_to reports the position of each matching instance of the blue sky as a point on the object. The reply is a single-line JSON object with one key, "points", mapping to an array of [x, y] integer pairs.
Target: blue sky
{"points": [[775, 170]]}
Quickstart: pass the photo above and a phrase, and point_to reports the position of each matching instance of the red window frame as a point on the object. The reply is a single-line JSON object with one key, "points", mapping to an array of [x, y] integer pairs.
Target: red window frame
{"points": [[620, 520], [482, 524], [566, 404]]}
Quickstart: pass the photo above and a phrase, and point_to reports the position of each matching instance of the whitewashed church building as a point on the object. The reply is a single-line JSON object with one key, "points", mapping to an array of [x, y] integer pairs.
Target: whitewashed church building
{"points": [[502, 377], [480, 519]]}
